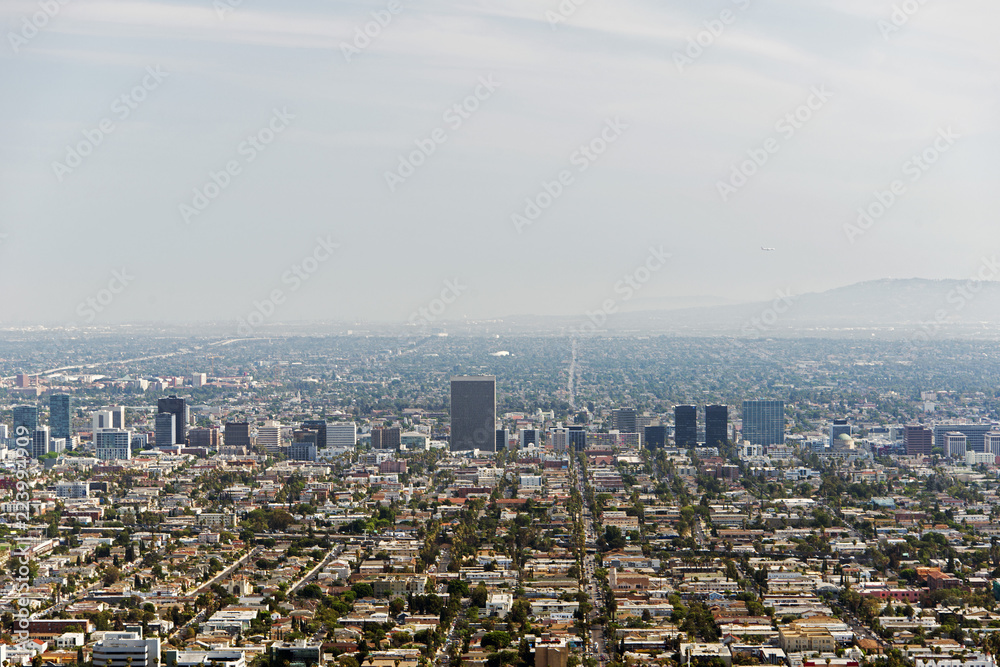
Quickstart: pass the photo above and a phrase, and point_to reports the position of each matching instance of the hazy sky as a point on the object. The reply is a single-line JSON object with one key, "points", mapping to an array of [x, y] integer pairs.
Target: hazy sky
{"points": [[115, 112]]}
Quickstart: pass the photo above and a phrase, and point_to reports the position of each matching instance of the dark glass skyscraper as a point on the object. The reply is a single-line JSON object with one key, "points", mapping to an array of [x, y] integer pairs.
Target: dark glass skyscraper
{"points": [[318, 425], [473, 412], [59, 416], [686, 426], [625, 420], [655, 437], [576, 439], [26, 416], [178, 407], [237, 434], [764, 422], [716, 425], [166, 429]]}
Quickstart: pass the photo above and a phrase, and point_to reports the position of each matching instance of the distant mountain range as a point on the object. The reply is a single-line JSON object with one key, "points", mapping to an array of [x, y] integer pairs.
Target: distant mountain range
{"points": [[891, 308]]}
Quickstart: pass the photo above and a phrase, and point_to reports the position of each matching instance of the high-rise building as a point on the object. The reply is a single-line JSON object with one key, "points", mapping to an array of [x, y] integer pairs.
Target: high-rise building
{"points": [[303, 447], [40, 441], [502, 438], [956, 444], [207, 437], [165, 429], [26, 416], [179, 408], [342, 434], [577, 438], [473, 412], [764, 422], [837, 428], [527, 437], [686, 426], [918, 440], [59, 416], [716, 425], [975, 435], [993, 443], [386, 437], [654, 437], [625, 420], [237, 434], [199, 379], [320, 426], [113, 444], [269, 436]]}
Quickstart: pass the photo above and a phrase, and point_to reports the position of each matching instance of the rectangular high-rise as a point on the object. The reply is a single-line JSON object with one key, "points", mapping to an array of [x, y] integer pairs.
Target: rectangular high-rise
{"points": [[40, 441], [686, 426], [654, 437], [625, 420], [918, 440], [975, 435], [576, 439], [764, 422], [165, 430], [237, 434], [26, 416], [716, 425], [837, 428], [318, 425], [342, 434], [59, 416], [179, 408], [385, 437], [113, 444], [473, 412]]}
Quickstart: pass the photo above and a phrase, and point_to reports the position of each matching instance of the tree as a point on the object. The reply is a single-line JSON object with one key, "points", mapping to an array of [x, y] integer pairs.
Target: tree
{"points": [[479, 595]]}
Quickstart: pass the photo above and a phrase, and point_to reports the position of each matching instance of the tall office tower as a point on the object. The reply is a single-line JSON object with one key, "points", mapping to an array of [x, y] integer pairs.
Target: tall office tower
{"points": [[577, 439], [473, 412], [502, 438], [22, 381], [686, 426], [993, 443], [114, 443], [716, 425], [320, 426], [26, 416], [269, 436], [386, 437], [655, 437], [40, 442], [59, 416], [342, 434], [4, 433], [975, 434], [207, 437], [117, 416], [837, 428], [179, 408], [303, 447], [165, 430], [764, 422], [527, 437], [625, 420], [918, 440], [956, 444], [100, 420], [237, 434], [199, 379]]}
